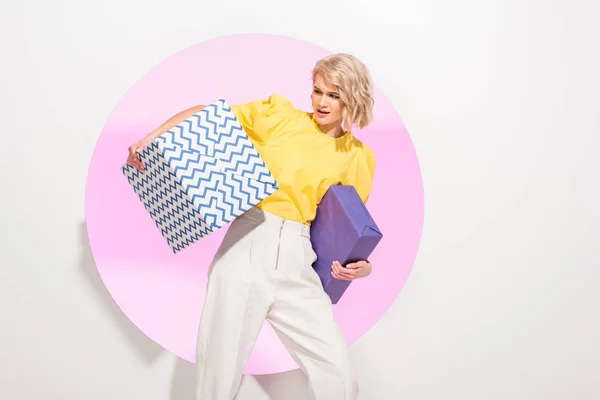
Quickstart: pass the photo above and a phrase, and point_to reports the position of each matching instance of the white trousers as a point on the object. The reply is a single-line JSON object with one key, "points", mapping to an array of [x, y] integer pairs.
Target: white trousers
{"points": [[262, 271]]}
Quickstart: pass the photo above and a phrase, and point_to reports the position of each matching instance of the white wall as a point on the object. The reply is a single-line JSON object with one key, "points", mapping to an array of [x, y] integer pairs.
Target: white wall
{"points": [[502, 101]]}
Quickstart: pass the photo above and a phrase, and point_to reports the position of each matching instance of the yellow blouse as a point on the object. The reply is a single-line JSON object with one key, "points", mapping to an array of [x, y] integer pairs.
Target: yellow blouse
{"points": [[303, 160]]}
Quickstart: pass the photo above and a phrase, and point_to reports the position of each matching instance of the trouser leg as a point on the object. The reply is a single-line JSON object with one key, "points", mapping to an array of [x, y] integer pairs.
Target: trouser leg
{"points": [[303, 318], [234, 309]]}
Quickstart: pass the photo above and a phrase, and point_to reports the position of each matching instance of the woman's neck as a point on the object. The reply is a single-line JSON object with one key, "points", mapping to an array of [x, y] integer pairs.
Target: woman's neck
{"points": [[333, 130]]}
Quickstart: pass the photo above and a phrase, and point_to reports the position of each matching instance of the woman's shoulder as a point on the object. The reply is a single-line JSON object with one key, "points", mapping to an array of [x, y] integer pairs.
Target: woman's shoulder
{"points": [[280, 106], [271, 102], [279, 102], [272, 107]]}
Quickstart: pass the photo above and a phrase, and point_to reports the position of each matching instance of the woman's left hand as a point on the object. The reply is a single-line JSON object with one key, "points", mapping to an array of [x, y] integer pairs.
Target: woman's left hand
{"points": [[352, 271]]}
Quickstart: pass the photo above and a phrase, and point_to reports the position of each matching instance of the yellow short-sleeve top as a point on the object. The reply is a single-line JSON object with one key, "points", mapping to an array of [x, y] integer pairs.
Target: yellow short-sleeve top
{"points": [[304, 161]]}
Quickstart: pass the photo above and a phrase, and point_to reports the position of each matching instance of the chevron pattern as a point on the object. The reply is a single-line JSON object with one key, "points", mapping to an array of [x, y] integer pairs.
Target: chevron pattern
{"points": [[200, 175]]}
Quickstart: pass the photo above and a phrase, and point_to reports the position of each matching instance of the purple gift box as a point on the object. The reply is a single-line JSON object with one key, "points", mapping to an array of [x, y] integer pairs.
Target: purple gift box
{"points": [[342, 230]]}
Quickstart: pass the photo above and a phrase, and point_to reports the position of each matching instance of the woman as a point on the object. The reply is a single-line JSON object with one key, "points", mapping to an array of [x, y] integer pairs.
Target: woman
{"points": [[262, 270]]}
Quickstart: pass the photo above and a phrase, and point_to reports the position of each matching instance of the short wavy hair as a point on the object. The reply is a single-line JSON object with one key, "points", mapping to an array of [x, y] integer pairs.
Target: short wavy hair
{"points": [[353, 81]]}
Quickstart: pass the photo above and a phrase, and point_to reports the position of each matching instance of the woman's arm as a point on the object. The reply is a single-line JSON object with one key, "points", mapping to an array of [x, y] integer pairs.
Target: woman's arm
{"points": [[173, 121], [135, 148]]}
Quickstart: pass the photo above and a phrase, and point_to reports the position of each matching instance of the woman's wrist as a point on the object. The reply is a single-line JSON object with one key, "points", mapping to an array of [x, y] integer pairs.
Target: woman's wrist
{"points": [[149, 138]]}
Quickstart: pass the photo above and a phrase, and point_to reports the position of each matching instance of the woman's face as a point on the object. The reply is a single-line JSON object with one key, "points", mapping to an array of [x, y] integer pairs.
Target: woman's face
{"points": [[326, 103]]}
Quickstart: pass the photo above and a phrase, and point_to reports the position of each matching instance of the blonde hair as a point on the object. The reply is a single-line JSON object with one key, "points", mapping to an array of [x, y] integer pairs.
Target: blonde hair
{"points": [[353, 81]]}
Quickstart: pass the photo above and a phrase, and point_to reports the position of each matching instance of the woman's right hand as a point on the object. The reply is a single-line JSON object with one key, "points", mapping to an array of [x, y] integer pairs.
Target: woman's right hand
{"points": [[134, 149]]}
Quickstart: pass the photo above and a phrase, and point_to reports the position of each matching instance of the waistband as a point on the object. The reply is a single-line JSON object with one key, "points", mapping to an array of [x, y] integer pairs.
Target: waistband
{"points": [[259, 215]]}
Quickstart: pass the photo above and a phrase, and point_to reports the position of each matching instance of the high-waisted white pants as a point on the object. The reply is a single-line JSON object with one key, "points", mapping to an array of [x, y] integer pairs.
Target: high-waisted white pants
{"points": [[262, 270]]}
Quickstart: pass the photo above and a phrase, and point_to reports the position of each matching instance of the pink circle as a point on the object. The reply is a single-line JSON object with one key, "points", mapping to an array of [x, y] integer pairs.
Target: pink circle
{"points": [[163, 293]]}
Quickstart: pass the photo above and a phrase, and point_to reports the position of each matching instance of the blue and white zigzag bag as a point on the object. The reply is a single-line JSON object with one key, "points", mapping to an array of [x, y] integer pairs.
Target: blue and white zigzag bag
{"points": [[200, 175]]}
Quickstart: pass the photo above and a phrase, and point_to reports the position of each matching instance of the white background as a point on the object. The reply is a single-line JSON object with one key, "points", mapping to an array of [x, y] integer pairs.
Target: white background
{"points": [[502, 101]]}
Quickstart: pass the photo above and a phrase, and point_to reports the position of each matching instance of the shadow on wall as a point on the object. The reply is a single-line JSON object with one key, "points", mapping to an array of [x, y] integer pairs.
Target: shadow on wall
{"points": [[183, 383], [144, 347], [291, 385]]}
